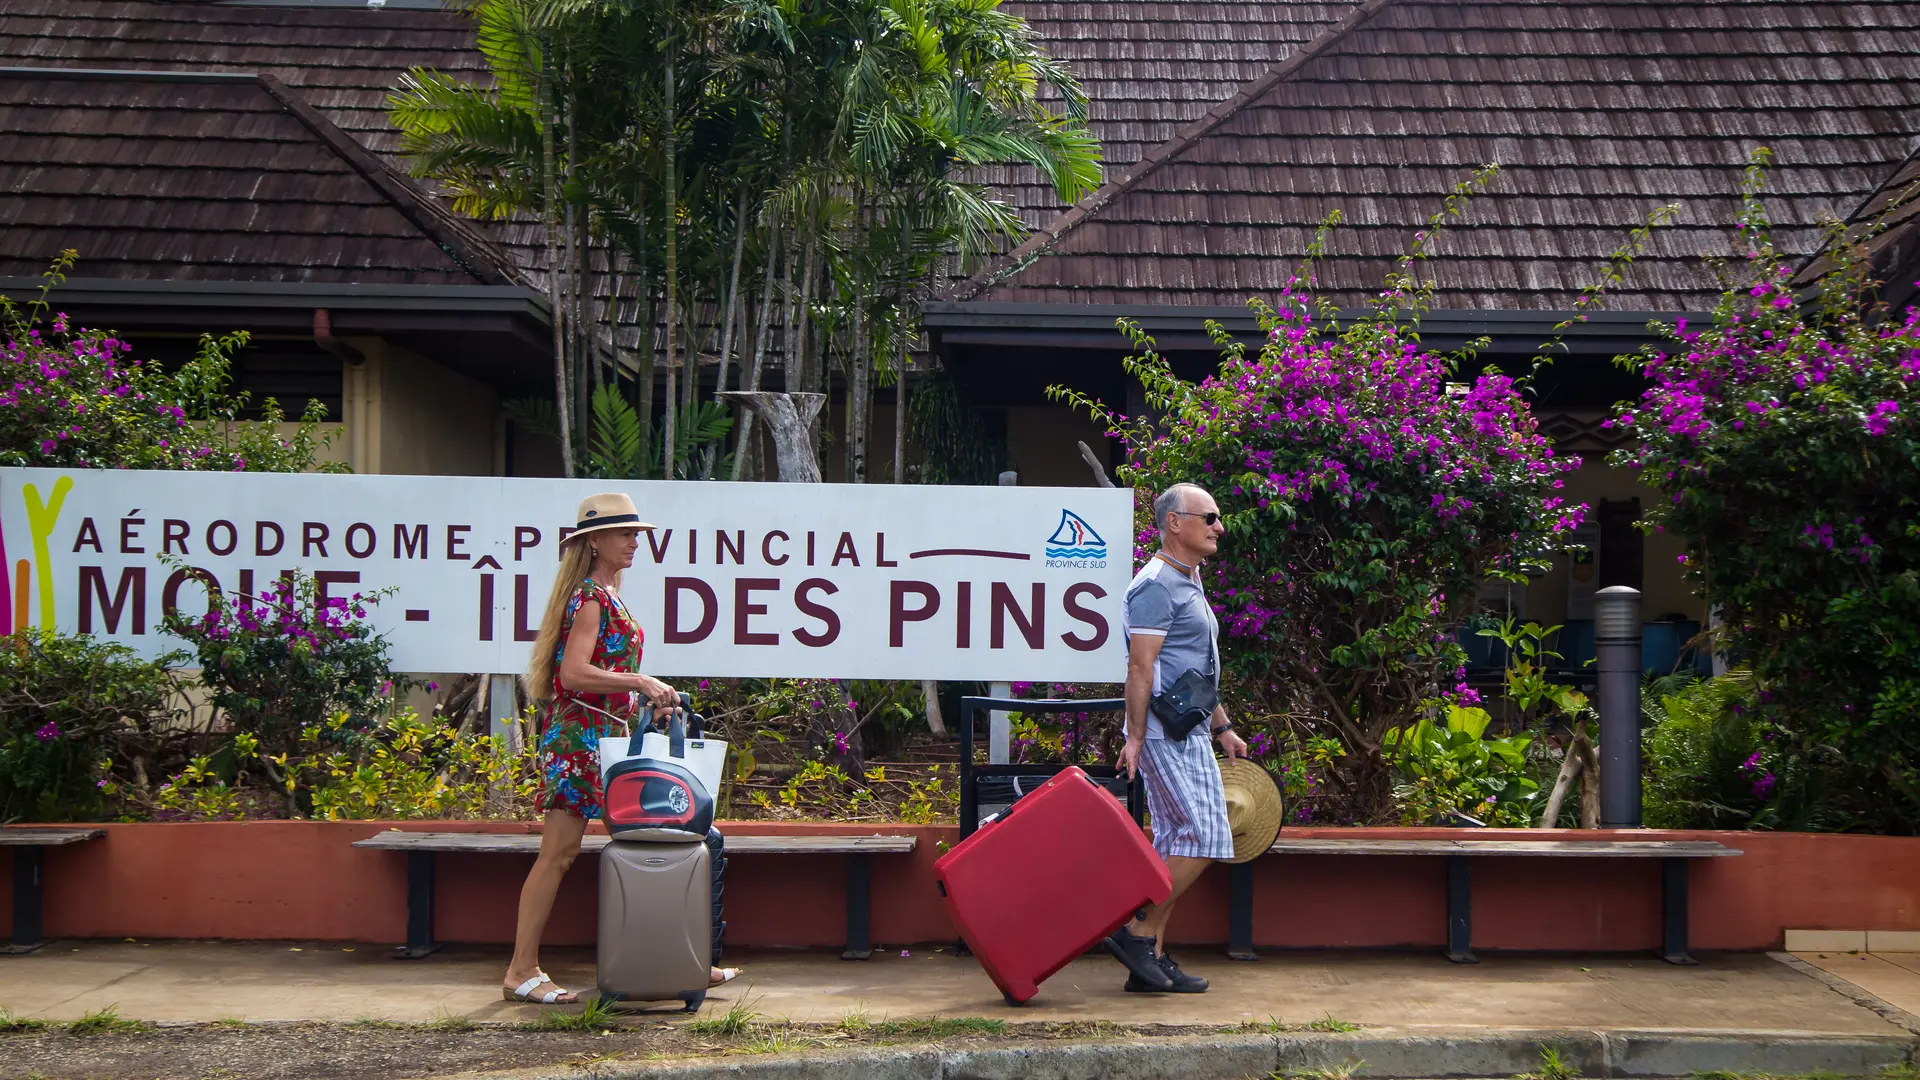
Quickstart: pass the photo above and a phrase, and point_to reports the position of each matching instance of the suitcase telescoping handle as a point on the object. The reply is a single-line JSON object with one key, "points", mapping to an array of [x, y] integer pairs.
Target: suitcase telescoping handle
{"points": [[1019, 796]]}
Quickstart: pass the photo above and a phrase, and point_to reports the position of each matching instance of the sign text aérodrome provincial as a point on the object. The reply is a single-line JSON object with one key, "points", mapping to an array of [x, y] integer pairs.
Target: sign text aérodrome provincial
{"points": [[873, 581]]}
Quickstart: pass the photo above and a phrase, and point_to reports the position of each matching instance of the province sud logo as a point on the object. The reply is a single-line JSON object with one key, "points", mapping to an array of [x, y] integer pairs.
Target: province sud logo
{"points": [[1074, 541]]}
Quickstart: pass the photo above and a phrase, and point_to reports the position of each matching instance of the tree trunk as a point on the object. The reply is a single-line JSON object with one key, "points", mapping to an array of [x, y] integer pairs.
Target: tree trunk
{"points": [[1581, 765], [930, 690], [619, 270], [761, 332], [1589, 783], [803, 349], [859, 367], [820, 378], [607, 272], [579, 340], [733, 291], [549, 195], [579, 319], [1099, 471], [672, 226], [647, 343], [691, 350], [900, 414], [790, 419]]}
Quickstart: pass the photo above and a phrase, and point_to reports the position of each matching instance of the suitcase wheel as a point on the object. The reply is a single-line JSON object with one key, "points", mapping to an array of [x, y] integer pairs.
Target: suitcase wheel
{"points": [[1011, 1001], [694, 1000]]}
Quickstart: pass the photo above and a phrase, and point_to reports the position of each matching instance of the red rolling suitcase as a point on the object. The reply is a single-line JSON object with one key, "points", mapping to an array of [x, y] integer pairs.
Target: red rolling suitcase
{"points": [[1059, 870]]}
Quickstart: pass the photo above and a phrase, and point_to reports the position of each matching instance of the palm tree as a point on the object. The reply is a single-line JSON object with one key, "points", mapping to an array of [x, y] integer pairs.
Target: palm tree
{"points": [[492, 148], [818, 147]]}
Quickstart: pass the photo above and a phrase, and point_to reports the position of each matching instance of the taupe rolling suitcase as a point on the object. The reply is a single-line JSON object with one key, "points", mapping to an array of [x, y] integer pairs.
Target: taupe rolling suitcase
{"points": [[659, 920]]}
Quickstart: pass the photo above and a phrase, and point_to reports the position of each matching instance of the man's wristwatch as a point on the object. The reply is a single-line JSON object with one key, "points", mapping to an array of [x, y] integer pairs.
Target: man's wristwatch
{"points": [[1223, 729]]}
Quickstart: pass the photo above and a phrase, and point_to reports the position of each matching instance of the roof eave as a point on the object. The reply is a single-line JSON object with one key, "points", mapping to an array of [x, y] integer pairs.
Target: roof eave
{"points": [[290, 295], [1092, 325], [500, 335]]}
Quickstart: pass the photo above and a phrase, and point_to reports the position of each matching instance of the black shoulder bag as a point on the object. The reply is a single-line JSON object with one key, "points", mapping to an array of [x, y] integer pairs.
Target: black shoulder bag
{"points": [[1190, 701]]}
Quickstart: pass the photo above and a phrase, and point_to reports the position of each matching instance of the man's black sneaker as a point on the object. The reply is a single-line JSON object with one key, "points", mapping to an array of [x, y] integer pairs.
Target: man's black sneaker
{"points": [[1179, 982], [1137, 954]]}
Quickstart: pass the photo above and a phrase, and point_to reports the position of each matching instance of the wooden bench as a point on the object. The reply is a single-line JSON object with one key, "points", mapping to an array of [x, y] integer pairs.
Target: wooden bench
{"points": [[1676, 857], [29, 878], [421, 847]]}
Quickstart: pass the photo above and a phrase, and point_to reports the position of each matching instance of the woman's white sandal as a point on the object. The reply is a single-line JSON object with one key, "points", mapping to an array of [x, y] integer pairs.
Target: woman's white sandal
{"points": [[525, 992], [727, 975]]}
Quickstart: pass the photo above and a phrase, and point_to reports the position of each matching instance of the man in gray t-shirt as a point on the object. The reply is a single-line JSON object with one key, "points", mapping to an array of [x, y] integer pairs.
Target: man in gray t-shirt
{"points": [[1171, 630], [1167, 602]]}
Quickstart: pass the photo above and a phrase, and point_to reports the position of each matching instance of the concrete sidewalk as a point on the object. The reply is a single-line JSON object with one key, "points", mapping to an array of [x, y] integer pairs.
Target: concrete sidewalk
{"points": [[1893, 977], [185, 982]]}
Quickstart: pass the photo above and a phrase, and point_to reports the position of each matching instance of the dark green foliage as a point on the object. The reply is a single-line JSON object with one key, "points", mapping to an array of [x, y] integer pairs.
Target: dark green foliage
{"points": [[618, 446], [954, 443], [67, 705]]}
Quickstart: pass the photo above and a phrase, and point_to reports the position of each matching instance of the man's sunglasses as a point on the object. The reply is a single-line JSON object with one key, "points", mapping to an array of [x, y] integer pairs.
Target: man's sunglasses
{"points": [[1210, 517]]}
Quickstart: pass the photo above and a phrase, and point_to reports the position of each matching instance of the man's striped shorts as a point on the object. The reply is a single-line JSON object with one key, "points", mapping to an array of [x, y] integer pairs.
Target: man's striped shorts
{"points": [[1184, 795]]}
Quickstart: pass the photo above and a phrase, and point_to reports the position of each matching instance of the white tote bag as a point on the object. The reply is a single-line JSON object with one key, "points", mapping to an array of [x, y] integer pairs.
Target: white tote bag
{"points": [[705, 758]]}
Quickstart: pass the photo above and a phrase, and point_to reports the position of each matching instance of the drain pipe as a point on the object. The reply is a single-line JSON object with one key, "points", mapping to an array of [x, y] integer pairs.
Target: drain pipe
{"points": [[323, 337], [1616, 619]]}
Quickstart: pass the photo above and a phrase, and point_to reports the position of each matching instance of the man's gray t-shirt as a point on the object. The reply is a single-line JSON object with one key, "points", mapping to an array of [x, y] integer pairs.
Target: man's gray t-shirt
{"points": [[1165, 602]]}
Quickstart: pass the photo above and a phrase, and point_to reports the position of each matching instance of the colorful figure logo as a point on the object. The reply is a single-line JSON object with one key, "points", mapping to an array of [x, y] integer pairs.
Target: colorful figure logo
{"points": [[1075, 539], [16, 589]]}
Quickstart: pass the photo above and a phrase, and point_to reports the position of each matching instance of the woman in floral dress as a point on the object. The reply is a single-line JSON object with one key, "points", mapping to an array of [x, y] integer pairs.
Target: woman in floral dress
{"points": [[585, 672]]}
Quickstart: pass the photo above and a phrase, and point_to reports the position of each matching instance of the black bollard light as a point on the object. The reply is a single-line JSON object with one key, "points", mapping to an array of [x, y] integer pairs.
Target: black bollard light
{"points": [[1616, 625]]}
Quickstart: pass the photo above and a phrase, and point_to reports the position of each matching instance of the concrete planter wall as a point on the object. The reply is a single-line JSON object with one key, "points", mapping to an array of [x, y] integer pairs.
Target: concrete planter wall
{"points": [[303, 880]]}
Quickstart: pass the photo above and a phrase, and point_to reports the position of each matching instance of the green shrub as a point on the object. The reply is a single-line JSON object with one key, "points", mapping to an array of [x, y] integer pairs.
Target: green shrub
{"points": [[1785, 439], [1444, 772], [1718, 757], [69, 704], [1700, 738], [410, 766], [402, 766]]}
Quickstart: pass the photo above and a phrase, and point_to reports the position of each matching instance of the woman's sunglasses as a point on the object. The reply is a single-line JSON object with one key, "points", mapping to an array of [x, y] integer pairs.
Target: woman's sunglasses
{"points": [[1210, 517]]}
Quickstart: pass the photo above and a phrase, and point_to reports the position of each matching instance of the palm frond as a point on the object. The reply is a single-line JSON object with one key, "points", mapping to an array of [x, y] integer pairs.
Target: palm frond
{"points": [[614, 447]]}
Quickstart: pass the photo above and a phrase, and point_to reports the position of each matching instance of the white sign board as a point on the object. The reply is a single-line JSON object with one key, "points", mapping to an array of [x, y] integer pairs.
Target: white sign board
{"points": [[872, 581]]}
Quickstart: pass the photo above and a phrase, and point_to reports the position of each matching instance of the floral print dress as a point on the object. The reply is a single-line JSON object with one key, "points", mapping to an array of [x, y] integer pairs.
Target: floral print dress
{"points": [[569, 745]]}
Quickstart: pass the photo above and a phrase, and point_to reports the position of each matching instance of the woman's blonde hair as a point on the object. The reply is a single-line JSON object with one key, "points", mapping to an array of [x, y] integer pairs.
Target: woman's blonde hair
{"points": [[576, 561]]}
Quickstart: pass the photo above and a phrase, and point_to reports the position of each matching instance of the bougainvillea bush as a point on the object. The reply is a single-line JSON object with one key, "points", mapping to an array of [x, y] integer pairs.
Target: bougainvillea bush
{"points": [[286, 663], [1785, 437], [1367, 494], [79, 399]]}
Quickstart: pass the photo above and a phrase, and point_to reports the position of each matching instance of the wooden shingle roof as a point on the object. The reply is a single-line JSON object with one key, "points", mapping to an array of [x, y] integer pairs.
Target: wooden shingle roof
{"points": [[1598, 112], [179, 176], [1150, 67], [343, 61], [1894, 253]]}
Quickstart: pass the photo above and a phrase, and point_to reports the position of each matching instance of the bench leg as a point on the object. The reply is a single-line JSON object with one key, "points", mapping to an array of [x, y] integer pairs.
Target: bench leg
{"points": [[419, 907], [28, 896], [1673, 911], [1240, 913], [859, 908], [1460, 911]]}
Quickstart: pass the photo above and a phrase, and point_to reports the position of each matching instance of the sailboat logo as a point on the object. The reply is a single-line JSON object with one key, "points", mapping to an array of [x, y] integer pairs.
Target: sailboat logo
{"points": [[1075, 539]]}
